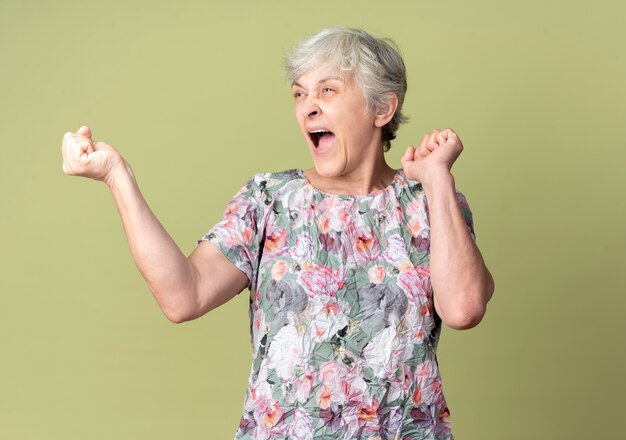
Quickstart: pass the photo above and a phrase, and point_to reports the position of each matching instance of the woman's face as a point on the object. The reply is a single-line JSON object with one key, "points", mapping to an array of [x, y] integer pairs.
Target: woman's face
{"points": [[339, 127]]}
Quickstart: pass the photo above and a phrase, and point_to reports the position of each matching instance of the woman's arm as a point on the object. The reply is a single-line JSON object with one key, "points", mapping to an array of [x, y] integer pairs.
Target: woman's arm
{"points": [[462, 284], [185, 288]]}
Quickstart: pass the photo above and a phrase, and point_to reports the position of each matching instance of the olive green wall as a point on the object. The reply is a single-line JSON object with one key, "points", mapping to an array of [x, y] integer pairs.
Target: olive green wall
{"points": [[192, 93]]}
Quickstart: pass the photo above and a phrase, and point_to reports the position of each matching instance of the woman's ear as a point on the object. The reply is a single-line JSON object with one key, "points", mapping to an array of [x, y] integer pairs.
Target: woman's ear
{"points": [[384, 114]]}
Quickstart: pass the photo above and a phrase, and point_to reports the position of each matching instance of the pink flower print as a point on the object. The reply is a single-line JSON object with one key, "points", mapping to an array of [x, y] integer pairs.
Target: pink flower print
{"points": [[395, 214], [318, 279], [304, 383], [414, 226], [426, 309], [234, 208], [242, 208], [395, 250], [376, 274], [333, 244], [238, 233], [360, 420], [301, 427], [246, 426], [368, 412], [331, 307], [332, 205], [323, 224], [334, 212], [279, 269], [323, 397], [392, 423], [247, 235], [422, 419], [331, 418], [417, 223], [366, 246], [341, 387], [329, 373], [275, 242], [400, 383], [350, 423], [422, 242], [273, 415], [354, 387], [332, 376], [416, 207], [428, 384], [327, 317], [417, 396], [303, 250], [259, 396], [415, 281], [320, 331]]}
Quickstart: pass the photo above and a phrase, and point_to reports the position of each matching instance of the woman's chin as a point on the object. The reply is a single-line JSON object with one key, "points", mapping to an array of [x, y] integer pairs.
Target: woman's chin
{"points": [[327, 169]]}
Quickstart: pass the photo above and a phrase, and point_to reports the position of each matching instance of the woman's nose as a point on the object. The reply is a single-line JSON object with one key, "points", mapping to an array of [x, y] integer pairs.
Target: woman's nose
{"points": [[310, 107]]}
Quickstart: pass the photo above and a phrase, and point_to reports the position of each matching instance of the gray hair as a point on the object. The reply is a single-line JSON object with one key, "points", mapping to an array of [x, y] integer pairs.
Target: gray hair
{"points": [[375, 63]]}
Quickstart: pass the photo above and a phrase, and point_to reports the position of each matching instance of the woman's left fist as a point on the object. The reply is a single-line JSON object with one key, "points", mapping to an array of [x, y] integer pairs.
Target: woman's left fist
{"points": [[435, 155]]}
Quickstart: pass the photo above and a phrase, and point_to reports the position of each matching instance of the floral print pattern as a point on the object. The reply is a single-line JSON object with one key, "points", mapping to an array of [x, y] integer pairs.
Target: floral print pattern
{"points": [[343, 328]]}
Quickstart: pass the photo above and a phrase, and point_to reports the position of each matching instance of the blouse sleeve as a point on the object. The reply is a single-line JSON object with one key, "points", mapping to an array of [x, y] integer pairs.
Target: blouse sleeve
{"points": [[467, 213], [239, 234]]}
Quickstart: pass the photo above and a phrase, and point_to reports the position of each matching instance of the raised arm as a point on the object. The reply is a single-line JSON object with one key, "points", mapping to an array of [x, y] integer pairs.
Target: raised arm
{"points": [[184, 287], [462, 284]]}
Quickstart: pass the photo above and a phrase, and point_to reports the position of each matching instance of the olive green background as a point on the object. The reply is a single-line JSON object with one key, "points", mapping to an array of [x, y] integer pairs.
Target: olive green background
{"points": [[192, 93]]}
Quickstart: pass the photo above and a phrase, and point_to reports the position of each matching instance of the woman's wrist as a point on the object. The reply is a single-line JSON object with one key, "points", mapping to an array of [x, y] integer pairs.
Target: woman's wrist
{"points": [[437, 178], [120, 173]]}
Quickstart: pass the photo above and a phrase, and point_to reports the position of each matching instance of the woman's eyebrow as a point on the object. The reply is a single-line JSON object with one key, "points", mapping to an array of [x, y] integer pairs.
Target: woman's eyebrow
{"points": [[329, 78], [323, 80]]}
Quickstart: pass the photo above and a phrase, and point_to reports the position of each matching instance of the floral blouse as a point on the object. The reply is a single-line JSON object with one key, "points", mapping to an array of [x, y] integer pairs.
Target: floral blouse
{"points": [[342, 323]]}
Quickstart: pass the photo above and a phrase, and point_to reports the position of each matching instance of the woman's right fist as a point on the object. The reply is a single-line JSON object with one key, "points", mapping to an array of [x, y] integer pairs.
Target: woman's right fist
{"points": [[82, 156]]}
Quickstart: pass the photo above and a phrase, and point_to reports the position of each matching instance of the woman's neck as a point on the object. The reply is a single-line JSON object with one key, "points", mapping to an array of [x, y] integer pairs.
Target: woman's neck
{"points": [[362, 181]]}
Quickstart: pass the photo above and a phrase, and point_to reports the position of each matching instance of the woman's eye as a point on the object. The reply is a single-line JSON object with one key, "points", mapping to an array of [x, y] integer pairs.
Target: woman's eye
{"points": [[328, 90], [297, 94]]}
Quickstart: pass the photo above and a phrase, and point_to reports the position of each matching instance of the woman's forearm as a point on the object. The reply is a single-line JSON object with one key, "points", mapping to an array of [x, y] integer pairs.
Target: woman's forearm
{"points": [[461, 283]]}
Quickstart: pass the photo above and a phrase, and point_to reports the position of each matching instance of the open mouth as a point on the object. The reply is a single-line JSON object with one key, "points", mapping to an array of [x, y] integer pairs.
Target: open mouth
{"points": [[321, 137]]}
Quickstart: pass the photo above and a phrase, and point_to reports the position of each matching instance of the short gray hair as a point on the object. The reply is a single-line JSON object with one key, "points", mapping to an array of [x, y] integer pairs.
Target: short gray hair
{"points": [[375, 63]]}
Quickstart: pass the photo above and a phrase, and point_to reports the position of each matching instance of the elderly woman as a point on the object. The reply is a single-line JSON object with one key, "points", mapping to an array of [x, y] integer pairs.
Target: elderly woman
{"points": [[352, 265]]}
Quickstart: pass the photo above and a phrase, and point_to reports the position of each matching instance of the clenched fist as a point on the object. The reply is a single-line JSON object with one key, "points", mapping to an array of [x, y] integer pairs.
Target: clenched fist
{"points": [[435, 154], [82, 156]]}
